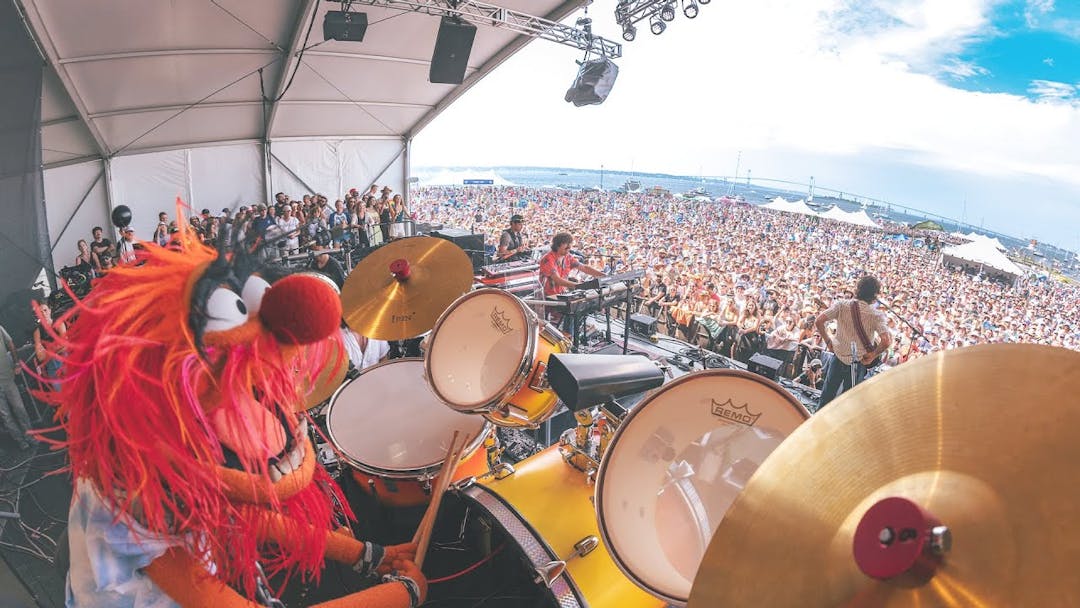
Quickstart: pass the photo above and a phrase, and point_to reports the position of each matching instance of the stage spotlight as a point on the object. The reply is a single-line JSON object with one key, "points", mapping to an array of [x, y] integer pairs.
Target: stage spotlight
{"points": [[657, 26], [668, 12], [629, 32], [690, 8]]}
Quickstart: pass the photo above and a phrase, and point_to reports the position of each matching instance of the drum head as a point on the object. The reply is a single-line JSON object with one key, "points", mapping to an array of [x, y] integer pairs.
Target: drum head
{"points": [[477, 348], [677, 463], [387, 421]]}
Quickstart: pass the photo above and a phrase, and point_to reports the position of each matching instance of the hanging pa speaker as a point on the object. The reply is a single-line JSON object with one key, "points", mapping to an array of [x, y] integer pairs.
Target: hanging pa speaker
{"points": [[348, 27], [593, 82], [452, 48]]}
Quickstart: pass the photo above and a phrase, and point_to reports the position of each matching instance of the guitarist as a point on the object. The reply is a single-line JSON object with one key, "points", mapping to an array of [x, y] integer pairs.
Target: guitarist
{"points": [[853, 345]]}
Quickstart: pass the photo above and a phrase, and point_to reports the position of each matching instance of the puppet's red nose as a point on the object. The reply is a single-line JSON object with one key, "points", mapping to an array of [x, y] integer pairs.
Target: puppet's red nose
{"points": [[301, 309]]}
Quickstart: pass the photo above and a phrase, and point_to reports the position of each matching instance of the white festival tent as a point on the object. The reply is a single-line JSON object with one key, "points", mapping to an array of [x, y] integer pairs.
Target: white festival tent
{"points": [[800, 207], [213, 101], [991, 240], [861, 218], [983, 254]]}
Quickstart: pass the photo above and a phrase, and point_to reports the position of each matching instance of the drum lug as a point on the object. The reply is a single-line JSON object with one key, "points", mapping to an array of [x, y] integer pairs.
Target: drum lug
{"points": [[539, 381], [425, 483], [585, 546], [503, 470], [463, 484]]}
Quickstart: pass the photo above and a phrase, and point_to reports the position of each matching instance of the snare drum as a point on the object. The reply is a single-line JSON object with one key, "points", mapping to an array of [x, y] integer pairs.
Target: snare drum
{"points": [[544, 510], [487, 354], [675, 465], [395, 434]]}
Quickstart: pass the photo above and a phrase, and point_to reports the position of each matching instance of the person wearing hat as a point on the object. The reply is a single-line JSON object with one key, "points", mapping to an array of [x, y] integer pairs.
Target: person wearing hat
{"points": [[812, 374], [126, 246], [512, 242]]}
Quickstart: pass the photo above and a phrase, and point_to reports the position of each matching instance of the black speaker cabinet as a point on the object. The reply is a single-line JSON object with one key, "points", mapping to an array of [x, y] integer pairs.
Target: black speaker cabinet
{"points": [[349, 27], [764, 365], [472, 244], [643, 325], [452, 48]]}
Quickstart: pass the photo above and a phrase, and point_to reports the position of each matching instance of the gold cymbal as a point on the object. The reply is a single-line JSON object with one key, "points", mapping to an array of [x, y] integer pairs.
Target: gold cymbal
{"points": [[984, 439], [329, 379], [378, 304]]}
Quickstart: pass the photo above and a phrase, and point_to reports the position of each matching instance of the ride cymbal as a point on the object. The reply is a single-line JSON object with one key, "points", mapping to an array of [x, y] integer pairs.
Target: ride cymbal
{"points": [[849, 510], [399, 290]]}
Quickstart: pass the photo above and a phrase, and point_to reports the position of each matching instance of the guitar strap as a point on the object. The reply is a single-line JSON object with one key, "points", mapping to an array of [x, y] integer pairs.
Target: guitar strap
{"points": [[859, 329]]}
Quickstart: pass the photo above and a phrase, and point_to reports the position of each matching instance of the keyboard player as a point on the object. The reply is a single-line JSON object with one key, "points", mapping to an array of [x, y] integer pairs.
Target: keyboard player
{"points": [[555, 269]]}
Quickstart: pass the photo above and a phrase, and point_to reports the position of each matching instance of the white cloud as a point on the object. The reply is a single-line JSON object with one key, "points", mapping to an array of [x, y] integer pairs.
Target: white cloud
{"points": [[1048, 90], [780, 80], [1049, 61], [1034, 10]]}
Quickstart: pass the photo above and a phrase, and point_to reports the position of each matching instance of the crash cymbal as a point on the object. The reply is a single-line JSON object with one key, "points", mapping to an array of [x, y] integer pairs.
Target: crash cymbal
{"points": [[399, 290], [329, 379], [983, 441]]}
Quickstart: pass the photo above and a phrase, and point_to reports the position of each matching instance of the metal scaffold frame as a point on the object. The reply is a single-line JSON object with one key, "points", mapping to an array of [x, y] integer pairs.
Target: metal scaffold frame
{"points": [[481, 13]]}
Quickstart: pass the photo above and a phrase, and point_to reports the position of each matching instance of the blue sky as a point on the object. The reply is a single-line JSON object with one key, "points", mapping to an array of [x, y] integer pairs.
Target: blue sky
{"points": [[1031, 49], [924, 103]]}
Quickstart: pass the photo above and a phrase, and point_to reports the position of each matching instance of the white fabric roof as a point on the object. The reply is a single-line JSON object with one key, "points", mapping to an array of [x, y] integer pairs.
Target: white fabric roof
{"points": [[991, 240], [136, 76], [835, 213], [800, 207], [861, 218], [984, 253]]}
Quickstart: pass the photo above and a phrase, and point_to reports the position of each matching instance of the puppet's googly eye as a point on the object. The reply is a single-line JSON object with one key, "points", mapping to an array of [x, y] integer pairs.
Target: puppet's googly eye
{"points": [[225, 310], [254, 289]]}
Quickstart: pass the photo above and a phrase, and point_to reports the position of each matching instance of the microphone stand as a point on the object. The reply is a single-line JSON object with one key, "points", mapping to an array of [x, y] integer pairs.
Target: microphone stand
{"points": [[918, 332]]}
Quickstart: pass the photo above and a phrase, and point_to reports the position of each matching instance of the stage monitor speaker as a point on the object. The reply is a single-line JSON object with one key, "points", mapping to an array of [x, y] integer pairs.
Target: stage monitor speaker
{"points": [[347, 27], [452, 47], [593, 82], [764, 365], [642, 325], [472, 244]]}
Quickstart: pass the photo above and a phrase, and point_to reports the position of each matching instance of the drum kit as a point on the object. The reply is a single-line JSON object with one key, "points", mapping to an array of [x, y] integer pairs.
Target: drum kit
{"points": [[945, 482]]}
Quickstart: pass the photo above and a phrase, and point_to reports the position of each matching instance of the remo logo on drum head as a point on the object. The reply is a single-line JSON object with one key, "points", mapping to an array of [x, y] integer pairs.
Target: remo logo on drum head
{"points": [[676, 464]]}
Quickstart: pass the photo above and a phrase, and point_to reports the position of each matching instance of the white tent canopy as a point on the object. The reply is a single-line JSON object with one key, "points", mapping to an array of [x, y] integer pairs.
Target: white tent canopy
{"points": [[800, 207], [214, 101], [983, 254], [991, 240]]}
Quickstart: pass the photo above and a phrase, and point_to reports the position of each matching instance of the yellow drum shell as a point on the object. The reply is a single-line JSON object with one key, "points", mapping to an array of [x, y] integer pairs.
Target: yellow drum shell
{"points": [[556, 501], [532, 405]]}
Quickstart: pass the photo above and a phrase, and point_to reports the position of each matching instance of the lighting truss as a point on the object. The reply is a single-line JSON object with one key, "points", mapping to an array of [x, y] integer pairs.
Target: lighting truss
{"points": [[629, 12], [481, 13]]}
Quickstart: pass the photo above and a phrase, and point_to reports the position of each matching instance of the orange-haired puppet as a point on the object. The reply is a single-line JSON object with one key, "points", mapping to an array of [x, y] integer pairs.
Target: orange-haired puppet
{"points": [[193, 471]]}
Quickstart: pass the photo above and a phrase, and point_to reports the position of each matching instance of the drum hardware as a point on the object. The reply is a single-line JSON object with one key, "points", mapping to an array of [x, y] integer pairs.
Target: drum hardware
{"points": [[401, 288], [948, 440], [583, 381], [583, 446], [552, 570]]}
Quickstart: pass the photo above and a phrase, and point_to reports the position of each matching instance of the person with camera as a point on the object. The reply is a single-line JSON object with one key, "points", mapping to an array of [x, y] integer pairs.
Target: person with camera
{"points": [[321, 260], [512, 242]]}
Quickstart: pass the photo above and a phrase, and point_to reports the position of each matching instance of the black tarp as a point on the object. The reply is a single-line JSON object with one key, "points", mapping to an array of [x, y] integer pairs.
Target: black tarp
{"points": [[24, 234]]}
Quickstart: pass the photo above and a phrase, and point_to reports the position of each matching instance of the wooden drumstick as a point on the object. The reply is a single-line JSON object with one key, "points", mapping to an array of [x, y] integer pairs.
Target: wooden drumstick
{"points": [[435, 486], [436, 500], [441, 484]]}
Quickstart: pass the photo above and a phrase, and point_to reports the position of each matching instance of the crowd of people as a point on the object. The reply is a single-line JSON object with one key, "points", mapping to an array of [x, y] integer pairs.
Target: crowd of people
{"points": [[734, 278], [742, 279]]}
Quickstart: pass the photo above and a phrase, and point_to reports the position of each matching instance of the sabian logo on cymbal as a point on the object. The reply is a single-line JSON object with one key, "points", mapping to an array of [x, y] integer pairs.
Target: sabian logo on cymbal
{"points": [[739, 414], [405, 318], [500, 321]]}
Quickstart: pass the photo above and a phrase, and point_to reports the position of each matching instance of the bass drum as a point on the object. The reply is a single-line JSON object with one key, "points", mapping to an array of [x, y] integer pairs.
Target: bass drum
{"points": [[543, 510], [675, 465]]}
